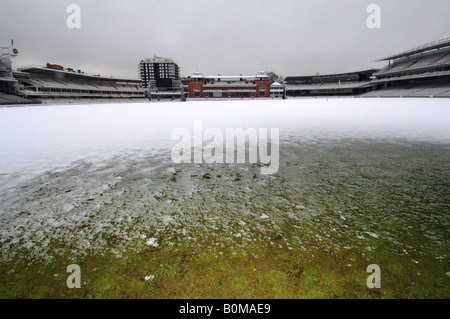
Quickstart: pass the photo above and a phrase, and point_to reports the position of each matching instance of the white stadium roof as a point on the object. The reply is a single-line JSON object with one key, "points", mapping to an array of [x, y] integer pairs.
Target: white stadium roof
{"points": [[423, 48]]}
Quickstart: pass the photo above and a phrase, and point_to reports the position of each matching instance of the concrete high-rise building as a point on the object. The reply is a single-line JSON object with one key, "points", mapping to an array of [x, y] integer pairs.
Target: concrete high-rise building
{"points": [[159, 73]]}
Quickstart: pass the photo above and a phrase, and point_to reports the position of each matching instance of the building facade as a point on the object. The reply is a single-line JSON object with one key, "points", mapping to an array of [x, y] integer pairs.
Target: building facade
{"points": [[342, 84], [7, 66], [158, 72], [277, 90], [423, 71], [240, 86]]}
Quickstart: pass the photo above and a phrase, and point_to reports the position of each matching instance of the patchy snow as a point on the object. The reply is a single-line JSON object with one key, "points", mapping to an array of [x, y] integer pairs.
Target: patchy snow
{"points": [[38, 139], [153, 242], [86, 177]]}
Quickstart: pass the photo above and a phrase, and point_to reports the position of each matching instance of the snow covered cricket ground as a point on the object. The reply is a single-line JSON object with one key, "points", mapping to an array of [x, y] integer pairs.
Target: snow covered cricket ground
{"points": [[360, 182]]}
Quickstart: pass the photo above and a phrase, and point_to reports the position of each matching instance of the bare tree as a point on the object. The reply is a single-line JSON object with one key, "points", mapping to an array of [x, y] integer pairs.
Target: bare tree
{"points": [[275, 77]]}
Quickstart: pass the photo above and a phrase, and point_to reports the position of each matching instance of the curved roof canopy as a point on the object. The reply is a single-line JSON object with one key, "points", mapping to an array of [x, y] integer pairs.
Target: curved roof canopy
{"points": [[423, 48]]}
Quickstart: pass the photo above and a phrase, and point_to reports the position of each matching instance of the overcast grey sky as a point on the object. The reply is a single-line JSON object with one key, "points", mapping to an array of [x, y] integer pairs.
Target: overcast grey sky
{"points": [[220, 36]]}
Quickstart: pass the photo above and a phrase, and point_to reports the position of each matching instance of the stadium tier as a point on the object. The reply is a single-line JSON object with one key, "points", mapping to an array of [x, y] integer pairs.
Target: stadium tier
{"points": [[37, 82], [423, 71], [345, 84], [9, 99], [437, 89]]}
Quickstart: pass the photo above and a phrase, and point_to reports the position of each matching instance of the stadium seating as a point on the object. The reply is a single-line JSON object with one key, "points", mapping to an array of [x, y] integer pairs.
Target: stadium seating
{"points": [[418, 90], [7, 99], [424, 61], [420, 72], [43, 83]]}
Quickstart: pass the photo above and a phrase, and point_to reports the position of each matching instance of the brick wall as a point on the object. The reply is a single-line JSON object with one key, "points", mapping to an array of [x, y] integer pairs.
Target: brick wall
{"points": [[196, 85]]}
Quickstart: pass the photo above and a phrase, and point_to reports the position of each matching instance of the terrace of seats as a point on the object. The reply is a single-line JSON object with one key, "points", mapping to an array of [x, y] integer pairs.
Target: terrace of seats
{"points": [[79, 86], [8, 99], [413, 90], [425, 61]]}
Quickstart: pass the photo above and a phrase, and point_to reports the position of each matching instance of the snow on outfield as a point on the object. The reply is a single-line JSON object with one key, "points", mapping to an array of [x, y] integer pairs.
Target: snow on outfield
{"points": [[35, 139], [89, 176]]}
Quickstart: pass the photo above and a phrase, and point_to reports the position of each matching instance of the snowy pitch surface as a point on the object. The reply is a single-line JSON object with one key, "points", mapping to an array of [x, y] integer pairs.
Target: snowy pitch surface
{"points": [[100, 177]]}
